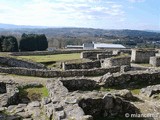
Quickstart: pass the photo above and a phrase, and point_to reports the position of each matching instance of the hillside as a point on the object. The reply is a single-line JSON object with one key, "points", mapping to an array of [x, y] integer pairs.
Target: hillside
{"points": [[60, 37]]}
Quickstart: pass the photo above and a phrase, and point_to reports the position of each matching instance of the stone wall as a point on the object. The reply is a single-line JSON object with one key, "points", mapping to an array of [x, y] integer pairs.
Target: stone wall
{"points": [[54, 73], [83, 105], [132, 78], [155, 61], [62, 107], [9, 95], [20, 63], [93, 54], [115, 61], [86, 65], [142, 55]]}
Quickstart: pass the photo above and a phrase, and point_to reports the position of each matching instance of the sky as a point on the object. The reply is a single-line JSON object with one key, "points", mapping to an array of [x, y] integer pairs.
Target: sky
{"points": [[104, 14]]}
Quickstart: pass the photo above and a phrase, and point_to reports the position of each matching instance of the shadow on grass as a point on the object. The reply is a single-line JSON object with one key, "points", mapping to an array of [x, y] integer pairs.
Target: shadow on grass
{"points": [[32, 93]]}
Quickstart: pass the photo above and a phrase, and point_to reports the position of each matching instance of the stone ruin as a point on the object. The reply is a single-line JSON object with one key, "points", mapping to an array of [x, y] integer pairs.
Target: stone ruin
{"points": [[151, 91], [80, 98], [155, 61], [69, 99], [142, 55], [84, 105], [116, 61], [8, 94], [94, 54]]}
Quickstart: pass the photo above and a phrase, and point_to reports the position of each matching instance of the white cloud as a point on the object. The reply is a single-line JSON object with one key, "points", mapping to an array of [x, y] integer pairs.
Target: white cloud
{"points": [[60, 12]]}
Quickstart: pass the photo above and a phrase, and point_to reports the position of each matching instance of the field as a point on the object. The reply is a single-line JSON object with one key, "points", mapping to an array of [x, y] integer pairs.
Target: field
{"points": [[52, 58], [54, 61]]}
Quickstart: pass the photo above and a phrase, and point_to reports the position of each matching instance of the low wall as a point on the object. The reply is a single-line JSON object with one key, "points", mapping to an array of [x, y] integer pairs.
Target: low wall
{"points": [[131, 79], [86, 65], [154, 61], [142, 55], [115, 61], [93, 54], [54, 73], [20, 63]]}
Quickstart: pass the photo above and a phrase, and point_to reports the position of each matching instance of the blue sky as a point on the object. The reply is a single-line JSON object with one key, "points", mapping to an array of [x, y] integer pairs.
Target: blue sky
{"points": [[105, 14]]}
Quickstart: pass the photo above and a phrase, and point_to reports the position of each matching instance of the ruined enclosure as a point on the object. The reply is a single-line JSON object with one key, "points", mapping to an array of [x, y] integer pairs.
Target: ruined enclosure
{"points": [[142, 55], [93, 54], [85, 104], [83, 91]]}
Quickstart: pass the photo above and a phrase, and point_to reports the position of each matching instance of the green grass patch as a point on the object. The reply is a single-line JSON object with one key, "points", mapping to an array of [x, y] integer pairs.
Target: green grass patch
{"points": [[135, 91], [33, 93], [52, 58]]}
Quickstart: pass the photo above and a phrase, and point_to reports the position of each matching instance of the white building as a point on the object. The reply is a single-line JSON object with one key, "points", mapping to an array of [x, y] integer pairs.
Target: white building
{"points": [[108, 46], [90, 46]]}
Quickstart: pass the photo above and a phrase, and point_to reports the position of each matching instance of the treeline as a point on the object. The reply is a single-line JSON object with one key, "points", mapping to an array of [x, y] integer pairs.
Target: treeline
{"points": [[28, 42]]}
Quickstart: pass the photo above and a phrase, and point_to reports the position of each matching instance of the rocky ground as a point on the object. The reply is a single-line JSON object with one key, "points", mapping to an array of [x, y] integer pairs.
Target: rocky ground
{"points": [[147, 103]]}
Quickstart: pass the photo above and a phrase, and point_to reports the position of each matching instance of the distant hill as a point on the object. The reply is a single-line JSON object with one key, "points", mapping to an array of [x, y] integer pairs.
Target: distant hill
{"points": [[74, 32], [60, 37], [12, 26]]}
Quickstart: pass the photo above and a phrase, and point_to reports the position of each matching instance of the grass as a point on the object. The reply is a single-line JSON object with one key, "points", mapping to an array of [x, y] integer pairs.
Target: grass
{"points": [[135, 91], [54, 61], [50, 58], [33, 93]]}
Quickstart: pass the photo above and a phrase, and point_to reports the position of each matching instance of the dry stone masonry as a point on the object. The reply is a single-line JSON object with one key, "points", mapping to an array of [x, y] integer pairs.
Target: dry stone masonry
{"points": [[86, 65], [116, 61], [93, 54], [78, 105], [8, 94], [142, 55], [131, 78], [20, 63], [151, 91], [155, 61], [58, 73]]}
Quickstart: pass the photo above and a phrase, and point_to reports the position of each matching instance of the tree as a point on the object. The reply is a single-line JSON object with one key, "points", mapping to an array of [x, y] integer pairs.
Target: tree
{"points": [[8, 44], [33, 42]]}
